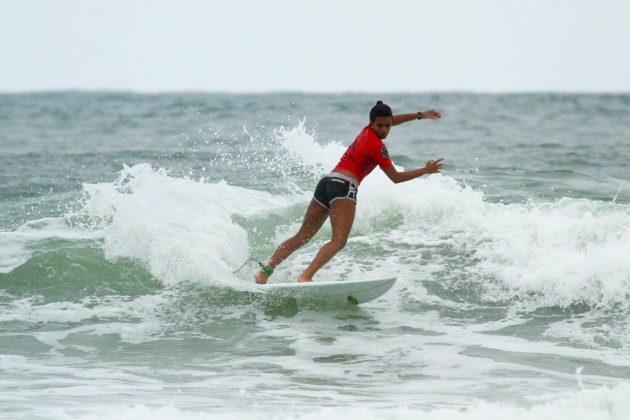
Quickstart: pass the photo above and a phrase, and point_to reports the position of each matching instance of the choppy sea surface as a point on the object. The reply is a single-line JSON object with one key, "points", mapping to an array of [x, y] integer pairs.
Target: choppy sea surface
{"points": [[123, 216]]}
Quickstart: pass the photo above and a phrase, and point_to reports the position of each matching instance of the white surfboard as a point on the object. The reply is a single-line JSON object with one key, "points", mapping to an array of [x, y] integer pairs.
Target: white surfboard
{"points": [[331, 292]]}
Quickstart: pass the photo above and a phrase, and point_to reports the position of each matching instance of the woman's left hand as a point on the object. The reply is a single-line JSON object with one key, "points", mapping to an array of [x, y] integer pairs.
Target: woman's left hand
{"points": [[431, 114]]}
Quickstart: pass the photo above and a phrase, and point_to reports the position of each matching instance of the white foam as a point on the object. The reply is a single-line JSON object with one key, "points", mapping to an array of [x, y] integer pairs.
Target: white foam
{"points": [[178, 228], [303, 145], [595, 329], [596, 404], [110, 310]]}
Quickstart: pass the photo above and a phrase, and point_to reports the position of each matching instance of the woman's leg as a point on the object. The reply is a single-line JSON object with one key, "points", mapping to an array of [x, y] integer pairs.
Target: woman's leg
{"points": [[341, 218], [315, 216]]}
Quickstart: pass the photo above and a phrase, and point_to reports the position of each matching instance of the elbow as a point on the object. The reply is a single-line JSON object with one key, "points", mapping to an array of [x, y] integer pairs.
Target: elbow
{"points": [[393, 175], [396, 179]]}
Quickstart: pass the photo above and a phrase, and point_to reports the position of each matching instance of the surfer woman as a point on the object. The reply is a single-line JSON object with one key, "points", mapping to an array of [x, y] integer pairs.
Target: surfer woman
{"points": [[336, 193]]}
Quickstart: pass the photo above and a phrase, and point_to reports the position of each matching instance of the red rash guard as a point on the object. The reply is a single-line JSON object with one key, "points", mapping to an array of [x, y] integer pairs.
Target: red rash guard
{"points": [[364, 154]]}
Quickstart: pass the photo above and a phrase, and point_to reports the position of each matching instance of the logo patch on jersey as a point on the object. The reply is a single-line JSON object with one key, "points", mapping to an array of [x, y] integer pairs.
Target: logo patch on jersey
{"points": [[384, 152]]}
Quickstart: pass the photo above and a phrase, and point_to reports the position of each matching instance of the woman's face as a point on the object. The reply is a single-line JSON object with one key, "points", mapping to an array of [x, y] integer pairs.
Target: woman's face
{"points": [[381, 126]]}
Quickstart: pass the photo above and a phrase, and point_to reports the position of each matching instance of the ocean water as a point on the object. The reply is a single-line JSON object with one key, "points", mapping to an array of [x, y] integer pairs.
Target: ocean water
{"points": [[123, 216]]}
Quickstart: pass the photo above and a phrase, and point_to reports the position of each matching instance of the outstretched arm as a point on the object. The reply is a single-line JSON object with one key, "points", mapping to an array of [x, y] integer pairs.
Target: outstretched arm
{"points": [[431, 114], [432, 166]]}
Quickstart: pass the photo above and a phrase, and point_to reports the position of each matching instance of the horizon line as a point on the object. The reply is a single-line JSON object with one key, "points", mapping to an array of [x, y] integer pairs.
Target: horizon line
{"points": [[307, 92]]}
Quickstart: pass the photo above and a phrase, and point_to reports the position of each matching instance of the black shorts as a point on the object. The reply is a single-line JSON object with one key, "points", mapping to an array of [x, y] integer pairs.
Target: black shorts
{"points": [[333, 187]]}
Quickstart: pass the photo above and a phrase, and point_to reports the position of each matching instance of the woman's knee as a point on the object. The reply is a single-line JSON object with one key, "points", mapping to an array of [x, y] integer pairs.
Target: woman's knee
{"points": [[339, 242]]}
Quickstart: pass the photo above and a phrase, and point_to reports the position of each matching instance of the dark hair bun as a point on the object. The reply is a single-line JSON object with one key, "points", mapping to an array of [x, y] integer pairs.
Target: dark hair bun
{"points": [[380, 110]]}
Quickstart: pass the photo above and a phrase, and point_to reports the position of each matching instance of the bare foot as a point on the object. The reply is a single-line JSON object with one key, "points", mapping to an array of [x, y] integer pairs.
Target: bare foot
{"points": [[261, 277], [304, 280]]}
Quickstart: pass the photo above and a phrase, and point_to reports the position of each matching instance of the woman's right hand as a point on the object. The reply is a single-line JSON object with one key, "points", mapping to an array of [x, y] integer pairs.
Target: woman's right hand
{"points": [[434, 166]]}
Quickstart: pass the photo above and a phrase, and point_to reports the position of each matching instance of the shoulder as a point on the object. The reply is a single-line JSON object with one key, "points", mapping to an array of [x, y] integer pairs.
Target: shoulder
{"points": [[365, 132], [368, 134]]}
